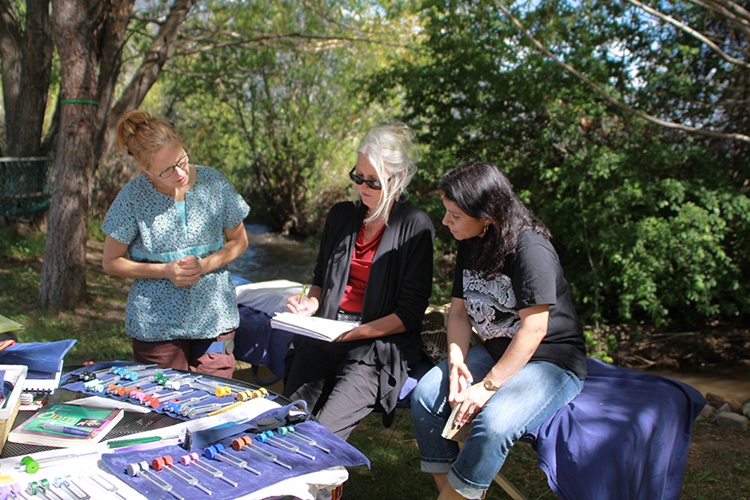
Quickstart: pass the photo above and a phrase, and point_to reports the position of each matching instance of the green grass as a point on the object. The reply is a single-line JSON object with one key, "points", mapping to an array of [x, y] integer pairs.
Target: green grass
{"points": [[97, 325]]}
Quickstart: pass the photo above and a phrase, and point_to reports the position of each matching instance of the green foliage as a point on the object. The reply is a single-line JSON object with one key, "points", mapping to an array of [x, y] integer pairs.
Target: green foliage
{"points": [[277, 104], [100, 337], [648, 224], [14, 245]]}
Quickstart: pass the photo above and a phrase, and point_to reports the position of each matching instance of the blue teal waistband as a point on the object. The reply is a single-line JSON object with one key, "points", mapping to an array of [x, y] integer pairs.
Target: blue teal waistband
{"points": [[198, 251]]}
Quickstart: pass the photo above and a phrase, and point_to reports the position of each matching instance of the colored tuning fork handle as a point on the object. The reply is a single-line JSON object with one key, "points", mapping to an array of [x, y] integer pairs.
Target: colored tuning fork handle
{"points": [[32, 466], [223, 391], [47, 489], [239, 443], [34, 488], [16, 492]]}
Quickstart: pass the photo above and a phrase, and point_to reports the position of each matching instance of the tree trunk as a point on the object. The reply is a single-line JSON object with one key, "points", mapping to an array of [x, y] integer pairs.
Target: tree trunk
{"points": [[157, 55], [89, 35], [27, 61]]}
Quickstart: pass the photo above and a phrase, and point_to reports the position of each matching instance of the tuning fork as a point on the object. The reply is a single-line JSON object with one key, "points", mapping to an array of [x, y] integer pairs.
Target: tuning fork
{"points": [[41, 488], [217, 452], [194, 411], [246, 443], [166, 463], [290, 431], [108, 486], [140, 469], [61, 482], [270, 438], [195, 460]]}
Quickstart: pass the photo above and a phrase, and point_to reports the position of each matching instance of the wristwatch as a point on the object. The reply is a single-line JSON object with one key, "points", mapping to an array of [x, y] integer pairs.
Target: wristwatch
{"points": [[490, 385]]}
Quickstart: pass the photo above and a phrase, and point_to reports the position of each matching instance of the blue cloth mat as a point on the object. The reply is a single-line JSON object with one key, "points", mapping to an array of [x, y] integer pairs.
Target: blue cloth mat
{"points": [[45, 357], [342, 454], [625, 437], [255, 342], [70, 382]]}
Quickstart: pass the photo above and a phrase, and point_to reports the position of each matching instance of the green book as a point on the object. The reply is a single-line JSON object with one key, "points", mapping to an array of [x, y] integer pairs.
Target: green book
{"points": [[66, 426]]}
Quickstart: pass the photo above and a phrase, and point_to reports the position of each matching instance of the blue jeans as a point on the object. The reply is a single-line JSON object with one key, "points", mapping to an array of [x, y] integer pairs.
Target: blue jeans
{"points": [[537, 391]]}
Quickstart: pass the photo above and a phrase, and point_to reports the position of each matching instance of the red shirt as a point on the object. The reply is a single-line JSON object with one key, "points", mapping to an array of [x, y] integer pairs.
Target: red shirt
{"points": [[359, 271]]}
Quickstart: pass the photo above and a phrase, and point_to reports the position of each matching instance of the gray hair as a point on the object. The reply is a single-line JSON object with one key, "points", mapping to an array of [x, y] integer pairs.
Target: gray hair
{"points": [[391, 151]]}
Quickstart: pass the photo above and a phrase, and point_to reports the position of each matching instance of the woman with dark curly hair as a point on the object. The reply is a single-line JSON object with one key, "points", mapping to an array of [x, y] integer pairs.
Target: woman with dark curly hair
{"points": [[509, 287]]}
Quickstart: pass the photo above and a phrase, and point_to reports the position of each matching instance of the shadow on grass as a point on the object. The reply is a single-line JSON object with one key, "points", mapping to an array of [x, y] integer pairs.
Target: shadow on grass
{"points": [[395, 473], [98, 325]]}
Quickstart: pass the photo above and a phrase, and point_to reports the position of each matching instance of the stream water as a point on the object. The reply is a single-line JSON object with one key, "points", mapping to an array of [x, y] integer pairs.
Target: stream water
{"points": [[271, 256]]}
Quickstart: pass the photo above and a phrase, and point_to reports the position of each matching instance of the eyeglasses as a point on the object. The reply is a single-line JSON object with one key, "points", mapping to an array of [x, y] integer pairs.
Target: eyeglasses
{"points": [[359, 180], [167, 172]]}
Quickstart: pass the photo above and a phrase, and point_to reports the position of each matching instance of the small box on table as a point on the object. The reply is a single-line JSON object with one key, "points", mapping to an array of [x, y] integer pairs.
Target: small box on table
{"points": [[16, 375]]}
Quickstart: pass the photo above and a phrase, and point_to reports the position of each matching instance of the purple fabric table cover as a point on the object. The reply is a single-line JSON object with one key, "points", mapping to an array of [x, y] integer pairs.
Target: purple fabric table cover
{"points": [[342, 454], [625, 437]]}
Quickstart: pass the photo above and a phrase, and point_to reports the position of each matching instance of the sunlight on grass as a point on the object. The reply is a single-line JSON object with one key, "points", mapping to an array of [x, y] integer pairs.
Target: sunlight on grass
{"points": [[100, 334]]}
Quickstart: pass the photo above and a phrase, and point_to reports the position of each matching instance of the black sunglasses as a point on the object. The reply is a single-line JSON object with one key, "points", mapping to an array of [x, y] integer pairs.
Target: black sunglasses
{"points": [[359, 180], [170, 170]]}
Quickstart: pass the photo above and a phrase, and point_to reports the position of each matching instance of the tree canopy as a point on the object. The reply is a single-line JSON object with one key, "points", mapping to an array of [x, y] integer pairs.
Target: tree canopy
{"points": [[623, 125], [650, 222]]}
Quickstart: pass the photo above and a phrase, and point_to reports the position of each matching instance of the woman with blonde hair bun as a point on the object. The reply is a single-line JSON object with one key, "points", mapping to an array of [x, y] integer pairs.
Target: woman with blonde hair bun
{"points": [[166, 230]]}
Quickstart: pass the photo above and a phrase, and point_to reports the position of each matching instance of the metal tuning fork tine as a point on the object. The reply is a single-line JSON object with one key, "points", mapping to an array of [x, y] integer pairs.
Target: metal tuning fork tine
{"points": [[270, 438], [246, 443], [216, 452], [166, 463], [140, 469], [61, 483], [108, 486], [290, 431], [209, 469]]}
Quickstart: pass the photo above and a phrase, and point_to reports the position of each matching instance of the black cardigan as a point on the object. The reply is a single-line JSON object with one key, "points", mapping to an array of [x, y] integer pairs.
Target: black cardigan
{"points": [[400, 282]]}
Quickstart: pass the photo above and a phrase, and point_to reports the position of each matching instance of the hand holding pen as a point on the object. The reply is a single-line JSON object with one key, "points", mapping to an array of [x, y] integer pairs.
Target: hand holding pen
{"points": [[301, 304]]}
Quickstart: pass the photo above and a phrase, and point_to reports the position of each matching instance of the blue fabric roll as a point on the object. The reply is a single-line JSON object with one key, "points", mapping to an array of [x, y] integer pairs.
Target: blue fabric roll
{"points": [[342, 454], [625, 437], [43, 357]]}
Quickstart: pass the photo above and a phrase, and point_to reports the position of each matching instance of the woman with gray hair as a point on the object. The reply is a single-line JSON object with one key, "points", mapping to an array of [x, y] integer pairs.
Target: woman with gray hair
{"points": [[374, 266]]}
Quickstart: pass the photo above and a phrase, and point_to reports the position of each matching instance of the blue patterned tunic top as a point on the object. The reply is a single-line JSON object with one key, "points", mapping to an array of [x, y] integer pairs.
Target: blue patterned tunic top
{"points": [[158, 229]]}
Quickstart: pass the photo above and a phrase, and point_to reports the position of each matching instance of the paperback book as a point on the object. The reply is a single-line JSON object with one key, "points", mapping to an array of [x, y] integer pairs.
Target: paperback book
{"points": [[67, 426]]}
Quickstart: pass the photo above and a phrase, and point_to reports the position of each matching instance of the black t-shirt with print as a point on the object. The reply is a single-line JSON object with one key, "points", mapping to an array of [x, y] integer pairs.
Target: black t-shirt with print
{"points": [[531, 276]]}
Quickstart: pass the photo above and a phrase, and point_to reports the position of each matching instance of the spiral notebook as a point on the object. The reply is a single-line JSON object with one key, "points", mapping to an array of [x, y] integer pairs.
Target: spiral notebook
{"points": [[42, 381]]}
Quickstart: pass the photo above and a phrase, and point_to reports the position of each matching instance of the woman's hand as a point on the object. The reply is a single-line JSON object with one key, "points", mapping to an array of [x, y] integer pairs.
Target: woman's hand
{"points": [[306, 307], [472, 400], [185, 271], [382, 327], [460, 380]]}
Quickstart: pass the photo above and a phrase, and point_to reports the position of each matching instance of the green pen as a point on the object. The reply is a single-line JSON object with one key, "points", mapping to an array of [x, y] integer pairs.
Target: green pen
{"points": [[129, 442], [302, 295]]}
